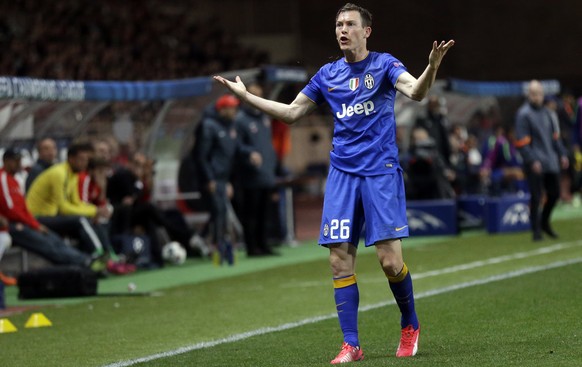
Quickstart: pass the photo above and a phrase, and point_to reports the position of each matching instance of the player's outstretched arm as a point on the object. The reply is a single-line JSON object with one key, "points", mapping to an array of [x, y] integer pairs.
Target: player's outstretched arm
{"points": [[417, 89], [289, 113]]}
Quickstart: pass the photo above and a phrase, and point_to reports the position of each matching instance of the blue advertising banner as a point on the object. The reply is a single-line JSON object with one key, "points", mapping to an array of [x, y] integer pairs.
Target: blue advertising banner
{"points": [[507, 214], [432, 217], [68, 90], [471, 211], [157, 90], [499, 88]]}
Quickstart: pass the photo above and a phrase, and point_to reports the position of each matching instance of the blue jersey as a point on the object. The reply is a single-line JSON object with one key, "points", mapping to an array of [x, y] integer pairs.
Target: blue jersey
{"points": [[361, 96]]}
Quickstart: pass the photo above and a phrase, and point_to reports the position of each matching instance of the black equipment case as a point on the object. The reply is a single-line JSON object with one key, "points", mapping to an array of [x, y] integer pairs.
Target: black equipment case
{"points": [[56, 282]]}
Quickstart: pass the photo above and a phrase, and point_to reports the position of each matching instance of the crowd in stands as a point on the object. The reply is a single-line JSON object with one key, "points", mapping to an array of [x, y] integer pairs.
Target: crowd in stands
{"points": [[115, 40], [446, 160]]}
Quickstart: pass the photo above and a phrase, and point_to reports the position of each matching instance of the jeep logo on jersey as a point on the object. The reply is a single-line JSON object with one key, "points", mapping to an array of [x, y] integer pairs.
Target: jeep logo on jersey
{"points": [[354, 83], [516, 214], [369, 81], [357, 109]]}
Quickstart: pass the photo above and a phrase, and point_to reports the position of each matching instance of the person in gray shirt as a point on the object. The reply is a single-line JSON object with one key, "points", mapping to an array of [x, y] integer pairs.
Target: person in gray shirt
{"points": [[47, 156], [257, 182], [215, 150], [538, 141]]}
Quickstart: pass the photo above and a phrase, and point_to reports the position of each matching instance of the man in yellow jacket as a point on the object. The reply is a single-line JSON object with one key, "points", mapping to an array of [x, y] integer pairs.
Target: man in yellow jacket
{"points": [[53, 198]]}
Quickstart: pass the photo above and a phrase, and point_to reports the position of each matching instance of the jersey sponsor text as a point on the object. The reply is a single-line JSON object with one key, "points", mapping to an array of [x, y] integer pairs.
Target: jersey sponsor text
{"points": [[357, 109]]}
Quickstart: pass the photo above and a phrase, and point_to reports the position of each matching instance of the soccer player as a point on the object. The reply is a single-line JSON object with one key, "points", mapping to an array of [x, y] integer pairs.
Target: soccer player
{"points": [[365, 179]]}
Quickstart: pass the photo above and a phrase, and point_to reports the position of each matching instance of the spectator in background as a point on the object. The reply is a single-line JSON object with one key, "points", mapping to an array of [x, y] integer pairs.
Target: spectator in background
{"points": [[125, 191], [54, 199], [481, 125], [565, 123], [577, 130], [103, 149], [564, 108], [47, 156], [538, 141], [128, 190], [473, 183], [257, 181], [217, 145], [458, 136], [459, 158], [502, 167], [577, 152], [435, 122], [281, 138], [92, 183], [26, 231], [425, 169], [5, 243]]}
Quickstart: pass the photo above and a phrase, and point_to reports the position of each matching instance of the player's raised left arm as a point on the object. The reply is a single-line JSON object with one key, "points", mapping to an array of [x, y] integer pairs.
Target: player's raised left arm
{"points": [[288, 113], [417, 89]]}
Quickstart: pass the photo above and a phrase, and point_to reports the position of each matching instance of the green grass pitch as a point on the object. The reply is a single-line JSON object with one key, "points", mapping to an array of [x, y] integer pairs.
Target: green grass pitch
{"points": [[482, 300]]}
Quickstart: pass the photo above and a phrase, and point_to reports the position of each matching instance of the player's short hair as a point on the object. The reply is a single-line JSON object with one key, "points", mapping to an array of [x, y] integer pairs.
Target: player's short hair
{"points": [[364, 13], [74, 149]]}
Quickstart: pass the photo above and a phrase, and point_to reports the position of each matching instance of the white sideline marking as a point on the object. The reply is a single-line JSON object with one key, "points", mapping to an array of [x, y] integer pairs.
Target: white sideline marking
{"points": [[500, 259], [456, 268], [312, 320]]}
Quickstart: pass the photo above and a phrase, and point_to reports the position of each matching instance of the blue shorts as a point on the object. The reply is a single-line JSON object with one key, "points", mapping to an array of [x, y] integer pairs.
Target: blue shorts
{"points": [[350, 201]]}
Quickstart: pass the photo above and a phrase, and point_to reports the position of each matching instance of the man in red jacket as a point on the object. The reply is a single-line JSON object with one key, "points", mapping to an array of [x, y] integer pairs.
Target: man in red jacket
{"points": [[5, 243], [25, 230]]}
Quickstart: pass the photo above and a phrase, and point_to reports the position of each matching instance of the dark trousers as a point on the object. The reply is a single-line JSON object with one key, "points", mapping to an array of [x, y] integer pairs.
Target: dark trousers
{"points": [[48, 245], [93, 238], [254, 218], [219, 213], [538, 183], [149, 217]]}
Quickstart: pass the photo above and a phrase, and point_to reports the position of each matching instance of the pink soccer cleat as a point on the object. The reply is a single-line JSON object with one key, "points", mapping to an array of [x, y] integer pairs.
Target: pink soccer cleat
{"points": [[348, 354], [408, 342]]}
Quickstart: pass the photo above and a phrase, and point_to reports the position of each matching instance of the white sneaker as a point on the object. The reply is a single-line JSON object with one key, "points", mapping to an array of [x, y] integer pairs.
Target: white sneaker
{"points": [[198, 243], [5, 242]]}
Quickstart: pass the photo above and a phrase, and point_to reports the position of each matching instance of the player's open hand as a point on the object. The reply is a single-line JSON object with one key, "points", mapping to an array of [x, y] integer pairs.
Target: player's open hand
{"points": [[438, 52], [237, 87]]}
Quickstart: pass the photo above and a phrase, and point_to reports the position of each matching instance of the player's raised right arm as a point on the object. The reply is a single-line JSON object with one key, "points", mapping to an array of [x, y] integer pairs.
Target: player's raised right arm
{"points": [[289, 113]]}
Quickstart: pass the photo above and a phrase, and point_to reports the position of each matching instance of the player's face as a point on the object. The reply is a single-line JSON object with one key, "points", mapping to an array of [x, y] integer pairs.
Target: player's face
{"points": [[350, 33]]}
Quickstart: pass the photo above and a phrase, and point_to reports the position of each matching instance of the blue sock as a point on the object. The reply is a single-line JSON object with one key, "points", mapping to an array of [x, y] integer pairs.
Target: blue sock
{"points": [[401, 286], [347, 300]]}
